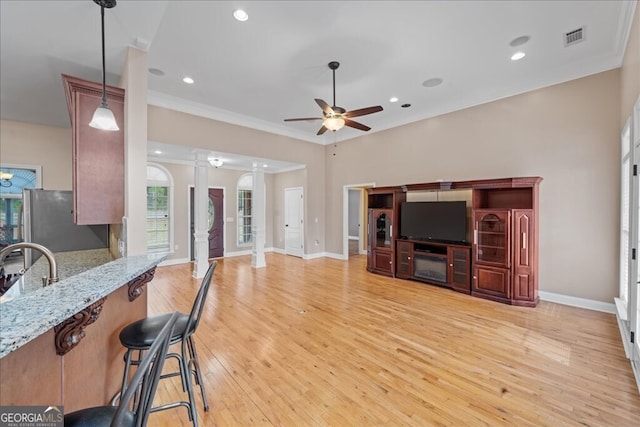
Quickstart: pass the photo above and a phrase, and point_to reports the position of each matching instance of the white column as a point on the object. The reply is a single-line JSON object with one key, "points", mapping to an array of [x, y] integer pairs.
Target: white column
{"points": [[258, 217], [200, 207], [134, 81]]}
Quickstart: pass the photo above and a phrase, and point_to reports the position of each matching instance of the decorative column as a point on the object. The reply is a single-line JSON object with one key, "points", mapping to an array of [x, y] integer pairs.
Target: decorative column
{"points": [[133, 235], [258, 217], [200, 205]]}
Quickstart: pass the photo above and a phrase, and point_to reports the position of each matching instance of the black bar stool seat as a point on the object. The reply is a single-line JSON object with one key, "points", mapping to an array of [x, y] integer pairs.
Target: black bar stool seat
{"points": [[141, 334], [98, 416]]}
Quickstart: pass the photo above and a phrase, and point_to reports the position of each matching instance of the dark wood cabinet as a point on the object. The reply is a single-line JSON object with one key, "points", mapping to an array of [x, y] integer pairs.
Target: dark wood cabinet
{"points": [[504, 254], [384, 208], [524, 286], [505, 243], [381, 241], [435, 263], [98, 155], [459, 259], [493, 282], [404, 263]]}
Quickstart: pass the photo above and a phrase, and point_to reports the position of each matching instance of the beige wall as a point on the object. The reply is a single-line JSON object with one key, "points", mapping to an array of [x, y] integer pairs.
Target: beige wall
{"points": [[630, 74], [568, 134], [50, 147]]}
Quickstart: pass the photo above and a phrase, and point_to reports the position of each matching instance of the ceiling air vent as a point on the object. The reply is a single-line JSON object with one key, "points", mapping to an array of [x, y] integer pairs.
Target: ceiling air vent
{"points": [[573, 37]]}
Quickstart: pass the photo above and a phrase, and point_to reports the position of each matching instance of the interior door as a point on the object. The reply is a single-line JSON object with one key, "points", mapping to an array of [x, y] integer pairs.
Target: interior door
{"points": [[293, 221], [215, 222]]}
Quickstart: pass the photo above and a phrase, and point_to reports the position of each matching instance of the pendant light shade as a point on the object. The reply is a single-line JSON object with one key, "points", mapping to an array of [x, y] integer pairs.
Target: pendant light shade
{"points": [[103, 117]]}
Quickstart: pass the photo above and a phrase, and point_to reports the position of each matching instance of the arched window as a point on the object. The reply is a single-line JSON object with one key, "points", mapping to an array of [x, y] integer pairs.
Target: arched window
{"points": [[245, 188], [159, 209]]}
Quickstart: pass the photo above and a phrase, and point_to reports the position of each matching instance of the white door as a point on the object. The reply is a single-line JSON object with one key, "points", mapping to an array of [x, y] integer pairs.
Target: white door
{"points": [[293, 221]]}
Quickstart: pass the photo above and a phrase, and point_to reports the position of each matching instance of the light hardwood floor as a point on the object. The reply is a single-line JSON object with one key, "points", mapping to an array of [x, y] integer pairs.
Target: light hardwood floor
{"points": [[323, 342]]}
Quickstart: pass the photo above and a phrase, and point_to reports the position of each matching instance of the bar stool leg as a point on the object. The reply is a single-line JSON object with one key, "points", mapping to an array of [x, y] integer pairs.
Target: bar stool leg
{"points": [[187, 370], [198, 371]]}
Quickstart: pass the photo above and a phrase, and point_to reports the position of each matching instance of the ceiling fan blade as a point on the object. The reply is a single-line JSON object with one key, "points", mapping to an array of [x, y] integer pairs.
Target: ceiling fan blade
{"points": [[363, 111], [322, 130], [303, 119], [328, 111], [356, 125]]}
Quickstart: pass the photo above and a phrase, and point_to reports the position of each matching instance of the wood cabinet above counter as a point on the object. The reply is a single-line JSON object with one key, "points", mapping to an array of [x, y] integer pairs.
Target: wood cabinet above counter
{"points": [[98, 155]]}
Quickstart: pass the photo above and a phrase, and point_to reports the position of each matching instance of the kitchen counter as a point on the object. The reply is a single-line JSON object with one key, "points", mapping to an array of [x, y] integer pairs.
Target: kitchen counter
{"points": [[30, 310]]}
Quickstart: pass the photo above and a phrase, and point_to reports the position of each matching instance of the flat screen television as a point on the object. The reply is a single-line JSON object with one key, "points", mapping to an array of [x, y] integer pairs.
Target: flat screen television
{"points": [[435, 221]]}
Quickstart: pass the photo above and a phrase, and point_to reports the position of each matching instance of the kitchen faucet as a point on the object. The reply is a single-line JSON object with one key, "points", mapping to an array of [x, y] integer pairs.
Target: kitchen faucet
{"points": [[53, 266]]}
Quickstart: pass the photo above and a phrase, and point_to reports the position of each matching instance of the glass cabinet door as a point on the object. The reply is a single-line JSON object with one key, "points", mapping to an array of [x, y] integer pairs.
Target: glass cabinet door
{"points": [[492, 237], [382, 227]]}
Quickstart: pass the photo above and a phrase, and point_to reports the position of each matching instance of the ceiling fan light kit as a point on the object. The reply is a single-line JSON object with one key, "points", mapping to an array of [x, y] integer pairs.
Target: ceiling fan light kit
{"points": [[103, 117], [333, 123], [335, 117]]}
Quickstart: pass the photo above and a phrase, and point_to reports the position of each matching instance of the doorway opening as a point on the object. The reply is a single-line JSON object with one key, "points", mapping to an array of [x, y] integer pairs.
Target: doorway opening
{"points": [[354, 220]]}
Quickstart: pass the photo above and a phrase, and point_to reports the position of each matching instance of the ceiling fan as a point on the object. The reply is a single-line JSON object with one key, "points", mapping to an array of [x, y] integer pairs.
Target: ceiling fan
{"points": [[336, 117]]}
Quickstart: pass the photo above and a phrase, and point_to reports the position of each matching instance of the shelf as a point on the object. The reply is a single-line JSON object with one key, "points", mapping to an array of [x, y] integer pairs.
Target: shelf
{"points": [[490, 247]]}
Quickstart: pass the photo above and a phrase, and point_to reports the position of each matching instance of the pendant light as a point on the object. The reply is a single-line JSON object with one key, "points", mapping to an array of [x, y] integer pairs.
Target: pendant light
{"points": [[103, 117]]}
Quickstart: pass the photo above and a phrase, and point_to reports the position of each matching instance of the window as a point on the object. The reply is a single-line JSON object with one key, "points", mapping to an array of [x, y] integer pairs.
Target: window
{"points": [[245, 188], [159, 208], [13, 179]]}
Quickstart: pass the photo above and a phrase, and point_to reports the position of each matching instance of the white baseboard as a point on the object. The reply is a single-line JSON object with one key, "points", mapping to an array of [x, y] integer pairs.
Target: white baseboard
{"points": [[237, 253], [336, 256], [174, 262], [578, 302]]}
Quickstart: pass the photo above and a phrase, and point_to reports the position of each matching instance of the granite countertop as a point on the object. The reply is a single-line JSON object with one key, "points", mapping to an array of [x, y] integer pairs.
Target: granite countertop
{"points": [[85, 277]]}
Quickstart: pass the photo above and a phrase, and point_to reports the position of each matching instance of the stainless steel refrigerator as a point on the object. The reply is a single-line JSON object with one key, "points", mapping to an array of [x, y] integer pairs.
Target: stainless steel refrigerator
{"points": [[48, 220]]}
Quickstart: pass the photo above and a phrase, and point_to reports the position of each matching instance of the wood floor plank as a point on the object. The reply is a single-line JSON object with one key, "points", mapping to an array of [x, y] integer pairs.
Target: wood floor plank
{"points": [[323, 342]]}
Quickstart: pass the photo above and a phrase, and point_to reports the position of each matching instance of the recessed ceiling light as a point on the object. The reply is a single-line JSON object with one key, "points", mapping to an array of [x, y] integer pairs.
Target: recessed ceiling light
{"points": [[265, 165], [519, 41], [406, 105], [436, 81], [393, 99], [188, 80], [158, 152], [156, 72], [517, 55], [240, 15]]}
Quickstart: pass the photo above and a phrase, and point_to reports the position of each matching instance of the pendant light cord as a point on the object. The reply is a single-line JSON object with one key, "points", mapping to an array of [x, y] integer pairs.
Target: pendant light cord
{"points": [[104, 73]]}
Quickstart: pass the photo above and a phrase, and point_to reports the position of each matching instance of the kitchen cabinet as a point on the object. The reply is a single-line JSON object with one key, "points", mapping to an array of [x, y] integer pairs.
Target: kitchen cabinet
{"points": [[98, 155]]}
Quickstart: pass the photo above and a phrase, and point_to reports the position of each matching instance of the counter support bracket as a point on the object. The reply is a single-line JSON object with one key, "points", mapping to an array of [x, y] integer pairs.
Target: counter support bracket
{"points": [[70, 332], [136, 285]]}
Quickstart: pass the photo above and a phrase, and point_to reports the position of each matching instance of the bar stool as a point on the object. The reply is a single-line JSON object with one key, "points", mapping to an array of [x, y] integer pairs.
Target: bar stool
{"points": [[143, 386], [141, 335]]}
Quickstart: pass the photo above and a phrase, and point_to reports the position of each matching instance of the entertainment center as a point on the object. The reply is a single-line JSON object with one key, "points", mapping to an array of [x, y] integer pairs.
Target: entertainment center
{"points": [[486, 246]]}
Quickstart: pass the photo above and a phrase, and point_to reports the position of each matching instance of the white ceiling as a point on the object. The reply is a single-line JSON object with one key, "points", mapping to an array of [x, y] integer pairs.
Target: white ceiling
{"points": [[271, 67]]}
